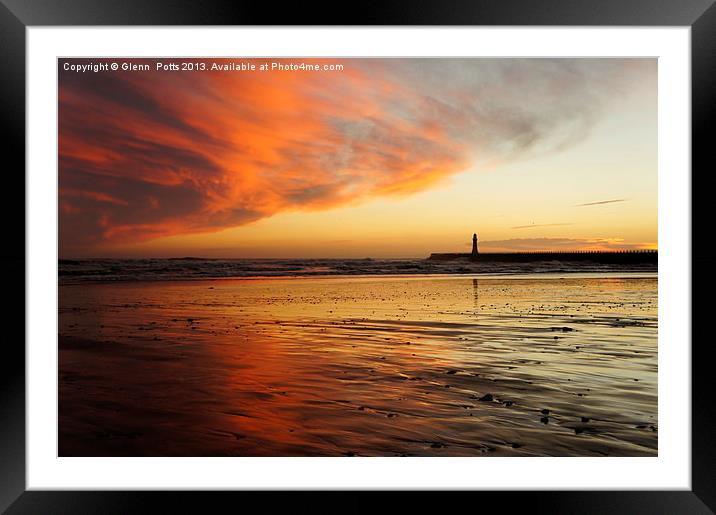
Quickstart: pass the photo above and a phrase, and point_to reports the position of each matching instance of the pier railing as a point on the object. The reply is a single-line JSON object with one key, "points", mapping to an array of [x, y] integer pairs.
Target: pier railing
{"points": [[600, 256]]}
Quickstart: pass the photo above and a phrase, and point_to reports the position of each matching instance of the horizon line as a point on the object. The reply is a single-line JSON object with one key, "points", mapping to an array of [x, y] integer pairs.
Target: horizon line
{"points": [[541, 251]]}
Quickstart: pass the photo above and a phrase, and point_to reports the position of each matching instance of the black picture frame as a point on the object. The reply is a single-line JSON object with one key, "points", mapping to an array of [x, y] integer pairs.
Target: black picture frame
{"points": [[17, 15]]}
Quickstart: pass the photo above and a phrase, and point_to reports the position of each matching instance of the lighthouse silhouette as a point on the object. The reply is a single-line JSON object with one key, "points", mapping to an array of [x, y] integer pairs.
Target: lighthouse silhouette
{"points": [[474, 244]]}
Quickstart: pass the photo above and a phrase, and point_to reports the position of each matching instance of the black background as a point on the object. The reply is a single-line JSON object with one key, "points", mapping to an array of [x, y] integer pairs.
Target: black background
{"points": [[16, 15]]}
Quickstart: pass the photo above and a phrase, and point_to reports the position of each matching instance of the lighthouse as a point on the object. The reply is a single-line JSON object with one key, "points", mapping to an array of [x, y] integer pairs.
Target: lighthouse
{"points": [[474, 244]]}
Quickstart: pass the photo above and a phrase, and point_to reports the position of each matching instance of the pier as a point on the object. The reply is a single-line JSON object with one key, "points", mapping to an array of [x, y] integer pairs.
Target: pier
{"points": [[594, 256]]}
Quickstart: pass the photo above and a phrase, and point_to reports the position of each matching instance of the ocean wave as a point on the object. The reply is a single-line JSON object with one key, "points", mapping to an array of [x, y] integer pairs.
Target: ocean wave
{"points": [[111, 270]]}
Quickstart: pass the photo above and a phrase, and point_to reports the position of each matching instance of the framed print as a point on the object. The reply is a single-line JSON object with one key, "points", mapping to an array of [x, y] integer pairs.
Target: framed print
{"points": [[437, 249]]}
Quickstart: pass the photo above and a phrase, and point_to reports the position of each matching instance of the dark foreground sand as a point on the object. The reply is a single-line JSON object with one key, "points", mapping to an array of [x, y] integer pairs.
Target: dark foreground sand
{"points": [[390, 366]]}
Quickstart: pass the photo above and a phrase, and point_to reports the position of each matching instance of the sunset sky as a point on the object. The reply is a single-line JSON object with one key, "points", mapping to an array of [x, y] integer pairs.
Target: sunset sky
{"points": [[385, 158]]}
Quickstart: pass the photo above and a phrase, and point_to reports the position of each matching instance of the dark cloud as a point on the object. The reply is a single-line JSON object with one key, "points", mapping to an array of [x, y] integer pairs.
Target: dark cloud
{"points": [[535, 226], [602, 202]]}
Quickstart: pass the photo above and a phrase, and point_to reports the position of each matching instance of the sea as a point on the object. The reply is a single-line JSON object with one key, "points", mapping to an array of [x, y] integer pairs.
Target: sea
{"points": [[73, 271]]}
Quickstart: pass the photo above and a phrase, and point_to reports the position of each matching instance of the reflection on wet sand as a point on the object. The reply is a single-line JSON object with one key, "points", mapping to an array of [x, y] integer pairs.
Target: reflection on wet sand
{"points": [[390, 366]]}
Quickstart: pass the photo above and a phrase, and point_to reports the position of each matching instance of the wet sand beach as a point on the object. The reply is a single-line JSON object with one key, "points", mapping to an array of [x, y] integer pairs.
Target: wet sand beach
{"points": [[528, 365]]}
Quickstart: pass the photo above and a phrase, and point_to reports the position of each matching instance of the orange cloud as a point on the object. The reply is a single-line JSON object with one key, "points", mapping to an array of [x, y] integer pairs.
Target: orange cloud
{"points": [[158, 153], [93, 195]]}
